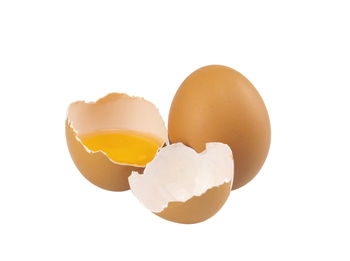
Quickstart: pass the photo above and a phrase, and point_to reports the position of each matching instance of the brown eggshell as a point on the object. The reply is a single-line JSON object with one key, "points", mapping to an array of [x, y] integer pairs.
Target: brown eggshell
{"points": [[218, 104], [96, 167], [198, 208], [114, 111], [184, 186]]}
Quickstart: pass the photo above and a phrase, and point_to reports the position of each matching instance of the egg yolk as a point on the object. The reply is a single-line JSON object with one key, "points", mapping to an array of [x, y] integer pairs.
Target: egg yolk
{"points": [[123, 146]]}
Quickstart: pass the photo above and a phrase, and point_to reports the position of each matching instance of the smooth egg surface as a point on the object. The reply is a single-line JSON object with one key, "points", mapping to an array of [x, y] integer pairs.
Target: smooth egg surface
{"points": [[218, 104]]}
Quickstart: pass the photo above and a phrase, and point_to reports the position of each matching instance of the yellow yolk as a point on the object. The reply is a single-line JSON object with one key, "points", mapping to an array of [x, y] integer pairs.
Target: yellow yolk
{"points": [[123, 146]]}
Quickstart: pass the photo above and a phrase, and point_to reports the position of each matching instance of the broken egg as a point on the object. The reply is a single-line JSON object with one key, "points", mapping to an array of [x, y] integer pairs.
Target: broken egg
{"points": [[219, 130], [218, 104], [184, 186], [110, 138]]}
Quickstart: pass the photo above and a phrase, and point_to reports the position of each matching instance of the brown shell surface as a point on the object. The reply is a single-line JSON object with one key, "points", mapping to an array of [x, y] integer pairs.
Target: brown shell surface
{"points": [[96, 167], [114, 111], [218, 104], [197, 208]]}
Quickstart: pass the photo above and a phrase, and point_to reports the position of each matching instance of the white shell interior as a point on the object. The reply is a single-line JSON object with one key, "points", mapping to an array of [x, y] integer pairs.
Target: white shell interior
{"points": [[177, 173], [117, 111]]}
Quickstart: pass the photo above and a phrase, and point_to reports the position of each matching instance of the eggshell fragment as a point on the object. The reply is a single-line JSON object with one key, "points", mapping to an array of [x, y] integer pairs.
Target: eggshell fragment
{"points": [[116, 112], [218, 104], [184, 186]]}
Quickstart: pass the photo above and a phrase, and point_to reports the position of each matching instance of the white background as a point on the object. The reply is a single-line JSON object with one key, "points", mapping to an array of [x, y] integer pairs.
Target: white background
{"points": [[297, 55]]}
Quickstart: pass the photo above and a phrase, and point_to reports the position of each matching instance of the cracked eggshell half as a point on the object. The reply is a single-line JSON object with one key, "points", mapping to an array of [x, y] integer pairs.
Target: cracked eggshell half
{"points": [[116, 112], [184, 186]]}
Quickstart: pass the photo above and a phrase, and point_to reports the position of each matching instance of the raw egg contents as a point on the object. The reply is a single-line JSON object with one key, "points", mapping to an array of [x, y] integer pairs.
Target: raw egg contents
{"points": [[115, 113], [123, 146]]}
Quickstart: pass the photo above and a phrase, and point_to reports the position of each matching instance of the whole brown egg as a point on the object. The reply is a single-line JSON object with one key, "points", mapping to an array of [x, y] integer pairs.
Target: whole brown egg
{"points": [[218, 104]]}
